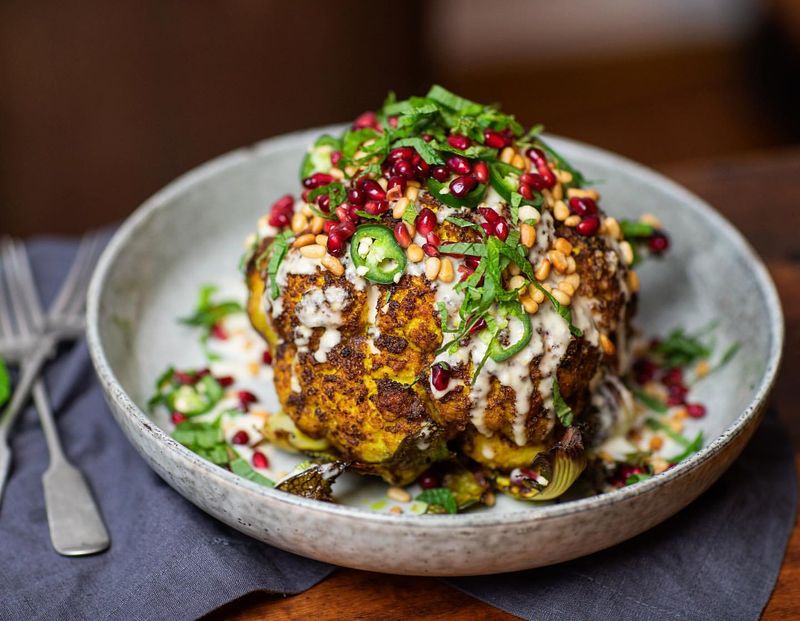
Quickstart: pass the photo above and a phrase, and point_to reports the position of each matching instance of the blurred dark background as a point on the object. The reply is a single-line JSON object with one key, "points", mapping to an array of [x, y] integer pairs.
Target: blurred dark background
{"points": [[102, 103]]}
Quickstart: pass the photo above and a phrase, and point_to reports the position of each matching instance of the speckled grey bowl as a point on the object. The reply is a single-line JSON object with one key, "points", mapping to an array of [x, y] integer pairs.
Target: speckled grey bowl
{"points": [[191, 233]]}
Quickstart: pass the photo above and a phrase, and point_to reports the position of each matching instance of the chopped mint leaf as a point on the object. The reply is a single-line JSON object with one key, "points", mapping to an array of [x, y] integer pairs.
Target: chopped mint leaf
{"points": [[681, 349], [632, 230], [474, 249], [279, 247], [337, 194], [451, 100], [563, 411], [439, 500], [5, 384], [463, 223], [651, 402], [425, 150], [243, 469], [635, 478], [691, 448]]}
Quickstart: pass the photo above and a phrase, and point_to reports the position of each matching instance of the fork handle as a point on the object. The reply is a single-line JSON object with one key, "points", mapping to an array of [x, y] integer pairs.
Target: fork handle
{"points": [[30, 371]]}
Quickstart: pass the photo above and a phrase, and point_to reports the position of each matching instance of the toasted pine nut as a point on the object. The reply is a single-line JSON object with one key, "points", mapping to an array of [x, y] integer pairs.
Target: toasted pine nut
{"points": [[607, 345], [398, 494], [560, 211], [548, 198], [627, 252], [543, 271], [516, 282], [571, 265], [432, 267], [412, 193], [573, 220], [399, 207], [656, 442], [518, 162], [528, 213], [680, 414], [446, 272], [333, 265], [413, 184], [564, 176], [412, 230], [489, 499], [528, 163], [396, 509], [317, 224], [322, 240], [612, 229], [573, 279], [314, 251], [563, 245], [529, 305], [558, 191], [558, 260], [336, 173], [676, 424], [633, 281], [527, 235], [702, 368], [307, 211], [304, 240], [659, 465], [415, 253], [536, 295], [579, 193], [383, 182], [561, 297], [350, 170], [506, 155], [567, 288], [513, 269], [652, 220], [299, 223]]}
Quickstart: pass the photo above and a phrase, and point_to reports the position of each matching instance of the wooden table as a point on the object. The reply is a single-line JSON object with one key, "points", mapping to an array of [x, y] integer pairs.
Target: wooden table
{"points": [[760, 194]]}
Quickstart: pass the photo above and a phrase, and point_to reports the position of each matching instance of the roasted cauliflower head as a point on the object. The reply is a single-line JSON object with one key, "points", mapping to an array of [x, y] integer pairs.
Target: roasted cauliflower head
{"points": [[445, 287]]}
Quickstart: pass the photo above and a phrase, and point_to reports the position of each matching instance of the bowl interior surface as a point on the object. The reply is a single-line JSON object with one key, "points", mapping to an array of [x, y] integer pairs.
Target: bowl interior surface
{"points": [[192, 233]]}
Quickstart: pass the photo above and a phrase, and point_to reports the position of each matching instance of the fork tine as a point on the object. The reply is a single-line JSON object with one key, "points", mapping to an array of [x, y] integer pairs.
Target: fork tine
{"points": [[14, 289], [27, 284], [66, 292], [78, 301]]}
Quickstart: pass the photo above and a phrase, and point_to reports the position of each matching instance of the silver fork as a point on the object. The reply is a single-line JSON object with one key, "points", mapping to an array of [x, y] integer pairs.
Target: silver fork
{"points": [[76, 527]]}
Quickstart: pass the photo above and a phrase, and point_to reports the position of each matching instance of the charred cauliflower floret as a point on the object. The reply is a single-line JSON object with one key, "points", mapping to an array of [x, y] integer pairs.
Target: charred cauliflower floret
{"points": [[444, 288]]}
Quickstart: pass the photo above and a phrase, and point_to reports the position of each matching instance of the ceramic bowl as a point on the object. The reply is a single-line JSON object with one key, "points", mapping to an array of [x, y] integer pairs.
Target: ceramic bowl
{"points": [[191, 233]]}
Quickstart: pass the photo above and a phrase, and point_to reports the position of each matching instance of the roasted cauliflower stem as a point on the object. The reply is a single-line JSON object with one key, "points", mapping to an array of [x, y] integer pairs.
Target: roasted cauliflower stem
{"points": [[445, 286]]}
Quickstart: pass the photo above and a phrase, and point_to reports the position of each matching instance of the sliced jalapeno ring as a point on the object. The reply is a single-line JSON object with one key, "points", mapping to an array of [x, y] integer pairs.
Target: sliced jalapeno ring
{"points": [[505, 180], [470, 200], [376, 254], [512, 311], [199, 398]]}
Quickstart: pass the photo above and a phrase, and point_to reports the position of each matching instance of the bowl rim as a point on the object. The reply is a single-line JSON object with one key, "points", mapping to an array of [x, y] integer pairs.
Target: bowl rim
{"points": [[160, 200]]}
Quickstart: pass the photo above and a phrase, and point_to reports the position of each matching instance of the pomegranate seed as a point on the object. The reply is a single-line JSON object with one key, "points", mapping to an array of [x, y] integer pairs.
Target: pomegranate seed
{"points": [[480, 171], [459, 165], [266, 357], [396, 186], [433, 238], [185, 378], [328, 225], [402, 235], [493, 139], [240, 437], [696, 410], [488, 228], [479, 325], [536, 155], [245, 396], [376, 208], [317, 180], [324, 203], [178, 418], [392, 121], [457, 141], [672, 376], [225, 381], [260, 460], [355, 196], [284, 202], [658, 243], [305, 194], [218, 332], [644, 370], [525, 191], [343, 213], [367, 119], [400, 153], [336, 157], [426, 221], [440, 375], [335, 244], [428, 481], [492, 217], [536, 182], [405, 169], [582, 206], [427, 137], [463, 185], [430, 250], [440, 173], [501, 230], [281, 211], [372, 189], [203, 373], [422, 167], [588, 226], [472, 262], [346, 229]]}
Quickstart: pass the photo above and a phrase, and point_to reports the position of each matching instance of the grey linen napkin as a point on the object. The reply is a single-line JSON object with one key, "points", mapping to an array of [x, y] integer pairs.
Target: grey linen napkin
{"points": [[718, 559]]}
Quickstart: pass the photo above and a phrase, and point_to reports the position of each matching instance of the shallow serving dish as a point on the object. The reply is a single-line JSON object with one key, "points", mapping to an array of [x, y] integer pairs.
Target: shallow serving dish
{"points": [[191, 233]]}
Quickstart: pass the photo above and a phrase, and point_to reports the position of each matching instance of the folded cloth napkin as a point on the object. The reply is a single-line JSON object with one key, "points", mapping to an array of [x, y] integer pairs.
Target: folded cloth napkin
{"points": [[718, 559]]}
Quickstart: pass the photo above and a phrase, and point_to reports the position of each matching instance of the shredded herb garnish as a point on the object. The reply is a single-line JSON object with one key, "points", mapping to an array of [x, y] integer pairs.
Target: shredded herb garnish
{"points": [[439, 500], [5, 383], [651, 402], [208, 313], [563, 411], [278, 249]]}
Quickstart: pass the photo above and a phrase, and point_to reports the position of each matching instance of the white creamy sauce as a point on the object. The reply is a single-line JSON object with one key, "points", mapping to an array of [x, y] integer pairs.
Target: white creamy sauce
{"points": [[329, 339], [295, 263]]}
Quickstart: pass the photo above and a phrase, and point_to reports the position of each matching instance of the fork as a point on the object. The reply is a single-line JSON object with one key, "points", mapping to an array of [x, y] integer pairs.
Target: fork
{"points": [[76, 527]]}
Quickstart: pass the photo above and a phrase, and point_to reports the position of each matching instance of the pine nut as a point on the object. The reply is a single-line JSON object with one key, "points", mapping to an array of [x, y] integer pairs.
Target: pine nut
{"points": [[299, 223], [558, 191], [579, 193], [558, 260], [396, 509], [415, 253], [307, 211], [573, 220], [317, 224], [333, 265], [336, 173], [513, 269], [543, 271], [656, 442], [489, 499], [567, 288], [446, 272], [304, 240], [314, 251], [560, 211], [412, 193], [516, 282], [652, 220], [607, 345], [627, 252], [564, 176], [702, 369], [659, 465], [561, 297], [413, 184], [633, 281], [383, 182], [432, 266], [571, 265], [536, 295], [506, 155], [518, 162], [563, 245], [400, 207], [612, 228], [412, 230], [574, 280], [350, 170], [527, 235], [528, 214], [398, 494], [529, 305], [322, 240]]}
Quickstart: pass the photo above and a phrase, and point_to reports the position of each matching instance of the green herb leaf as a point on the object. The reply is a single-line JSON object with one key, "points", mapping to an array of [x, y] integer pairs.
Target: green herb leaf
{"points": [[635, 478], [243, 469], [425, 150], [5, 384], [366, 215], [680, 349], [657, 425], [474, 249], [278, 249], [439, 500], [633, 230], [410, 214], [337, 194], [691, 448], [451, 100], [463, 223], [651, 402], [563, 411]]}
